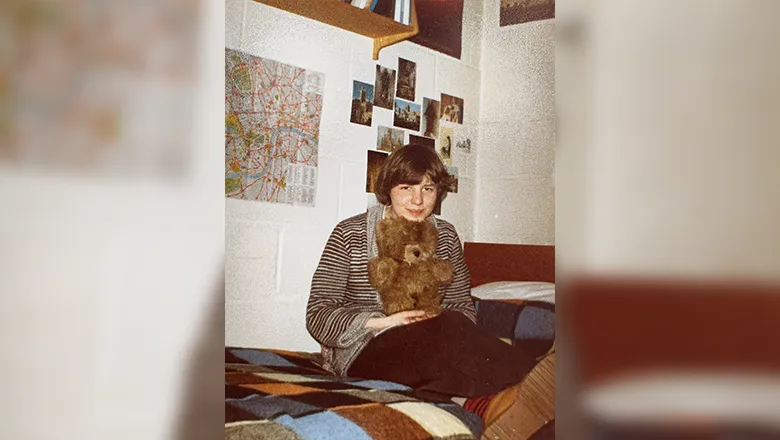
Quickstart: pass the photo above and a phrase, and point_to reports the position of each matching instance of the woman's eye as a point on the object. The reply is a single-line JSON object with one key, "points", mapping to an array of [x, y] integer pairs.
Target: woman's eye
{"points": [[430, 189]]}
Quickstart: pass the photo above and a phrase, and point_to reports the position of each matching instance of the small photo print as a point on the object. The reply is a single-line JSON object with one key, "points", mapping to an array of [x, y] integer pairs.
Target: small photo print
{"points": [[407, 77], [451, 108], [445, 144], [429, 125], [375, 161], [464, 145], [362, 103], [422, 141], [389, 139], [453, 171], [407, 115], [384, 87]]}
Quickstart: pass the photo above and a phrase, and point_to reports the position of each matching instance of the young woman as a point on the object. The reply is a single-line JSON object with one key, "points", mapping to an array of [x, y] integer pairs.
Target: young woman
{"points": [[439, 356]]}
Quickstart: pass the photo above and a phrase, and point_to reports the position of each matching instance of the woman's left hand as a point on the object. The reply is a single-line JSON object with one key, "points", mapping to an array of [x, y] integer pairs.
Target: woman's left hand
{"points": [[400, 318]]}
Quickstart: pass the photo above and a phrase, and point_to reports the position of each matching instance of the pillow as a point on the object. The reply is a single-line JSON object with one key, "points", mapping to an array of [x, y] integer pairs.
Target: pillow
{"points": [[525, 290]]}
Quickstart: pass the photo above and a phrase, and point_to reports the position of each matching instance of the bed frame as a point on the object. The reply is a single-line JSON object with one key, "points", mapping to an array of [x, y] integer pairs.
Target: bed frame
{"points": [[619, 327], [489, 262], [627, 325]]}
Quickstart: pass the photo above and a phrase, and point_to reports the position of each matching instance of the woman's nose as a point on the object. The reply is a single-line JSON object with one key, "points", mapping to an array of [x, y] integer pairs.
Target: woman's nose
{"points": [[417, 197]]}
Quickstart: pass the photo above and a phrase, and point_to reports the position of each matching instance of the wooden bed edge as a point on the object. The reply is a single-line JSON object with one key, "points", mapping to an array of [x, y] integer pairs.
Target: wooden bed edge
{"points": [[489, 262]]}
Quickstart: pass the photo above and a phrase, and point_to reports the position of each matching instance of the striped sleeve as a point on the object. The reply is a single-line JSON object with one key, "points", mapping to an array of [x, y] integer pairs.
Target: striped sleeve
{"points": [[331, 318], [457, 295]]}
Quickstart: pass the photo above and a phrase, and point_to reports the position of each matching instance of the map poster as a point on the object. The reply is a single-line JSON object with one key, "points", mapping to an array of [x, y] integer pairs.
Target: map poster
{"points": [[272, 126]]}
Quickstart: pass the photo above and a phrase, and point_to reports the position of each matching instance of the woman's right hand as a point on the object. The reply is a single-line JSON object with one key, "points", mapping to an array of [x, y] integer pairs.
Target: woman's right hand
{"points": [[400, 318]]}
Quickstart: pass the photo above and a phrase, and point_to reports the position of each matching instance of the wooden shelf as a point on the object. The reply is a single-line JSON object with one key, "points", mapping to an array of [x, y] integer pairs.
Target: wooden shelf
{"points": [[384, 31]]}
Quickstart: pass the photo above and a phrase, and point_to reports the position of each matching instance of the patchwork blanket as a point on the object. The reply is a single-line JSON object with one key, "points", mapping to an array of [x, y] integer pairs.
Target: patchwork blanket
{"points": [[275, 394]]}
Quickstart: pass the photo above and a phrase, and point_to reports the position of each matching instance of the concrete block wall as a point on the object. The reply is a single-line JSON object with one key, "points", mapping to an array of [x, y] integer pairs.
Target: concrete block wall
{"points": [[273, 249]]}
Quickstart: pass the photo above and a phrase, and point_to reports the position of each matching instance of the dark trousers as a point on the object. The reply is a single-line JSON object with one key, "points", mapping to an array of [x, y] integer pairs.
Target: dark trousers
{"points": [[446, 355]]}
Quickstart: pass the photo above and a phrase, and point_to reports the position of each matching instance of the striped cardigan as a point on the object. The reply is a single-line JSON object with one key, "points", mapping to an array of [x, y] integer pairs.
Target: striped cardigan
{"points": [[342, 300]]}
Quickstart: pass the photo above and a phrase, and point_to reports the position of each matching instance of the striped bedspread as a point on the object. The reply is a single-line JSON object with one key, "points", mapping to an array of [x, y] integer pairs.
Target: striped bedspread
{"points": [[275, 394]]}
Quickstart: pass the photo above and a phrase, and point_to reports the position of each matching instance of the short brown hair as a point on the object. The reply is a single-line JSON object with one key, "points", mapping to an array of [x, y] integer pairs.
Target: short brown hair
{"points": [[409, 165]]}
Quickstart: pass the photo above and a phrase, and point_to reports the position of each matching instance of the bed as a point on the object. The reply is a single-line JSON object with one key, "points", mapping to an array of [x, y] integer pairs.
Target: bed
{"points": [[277, 394], [693, 357]]}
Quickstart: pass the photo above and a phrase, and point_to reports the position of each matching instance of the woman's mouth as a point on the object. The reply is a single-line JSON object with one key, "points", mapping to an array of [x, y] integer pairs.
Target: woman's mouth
{"points": [[416, 212]]}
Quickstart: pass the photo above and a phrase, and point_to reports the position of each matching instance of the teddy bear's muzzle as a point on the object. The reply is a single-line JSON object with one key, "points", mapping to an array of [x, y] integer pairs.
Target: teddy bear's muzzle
{"points": [[414, 254]]}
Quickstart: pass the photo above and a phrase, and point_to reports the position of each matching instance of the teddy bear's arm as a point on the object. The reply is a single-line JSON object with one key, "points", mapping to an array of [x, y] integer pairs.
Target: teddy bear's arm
{"points": [[381, 272], [441, 270], [385, 274]]}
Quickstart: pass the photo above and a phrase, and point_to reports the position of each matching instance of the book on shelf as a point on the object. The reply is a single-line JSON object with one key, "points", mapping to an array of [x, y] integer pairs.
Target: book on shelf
{"points": [[398, 10], [401, 13], [362, 4]]}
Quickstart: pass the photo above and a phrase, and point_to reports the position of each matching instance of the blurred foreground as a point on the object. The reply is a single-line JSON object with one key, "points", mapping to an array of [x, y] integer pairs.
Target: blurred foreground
{"points": [[668, 219], [112, 216]]}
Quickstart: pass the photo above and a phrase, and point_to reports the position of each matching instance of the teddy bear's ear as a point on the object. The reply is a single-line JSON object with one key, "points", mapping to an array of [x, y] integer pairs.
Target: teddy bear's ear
{"points": [[382, 237], [389, 238], [428, 235]]}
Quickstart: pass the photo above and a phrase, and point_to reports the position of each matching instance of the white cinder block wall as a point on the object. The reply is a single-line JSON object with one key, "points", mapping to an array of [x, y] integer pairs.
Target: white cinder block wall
{"points": [[273, 249], [515, 200]]}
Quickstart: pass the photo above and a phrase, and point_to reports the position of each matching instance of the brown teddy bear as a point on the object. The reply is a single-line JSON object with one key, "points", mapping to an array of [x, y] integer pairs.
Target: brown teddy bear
{"points": [[406, 272]]}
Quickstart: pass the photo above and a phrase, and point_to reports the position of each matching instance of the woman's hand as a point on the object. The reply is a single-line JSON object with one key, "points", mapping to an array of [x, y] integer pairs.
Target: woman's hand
{"points": [[400, 318]]}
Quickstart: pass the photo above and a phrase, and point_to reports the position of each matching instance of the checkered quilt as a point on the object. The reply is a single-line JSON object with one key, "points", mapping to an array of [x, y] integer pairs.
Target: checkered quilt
{"points": [[275, 394]]}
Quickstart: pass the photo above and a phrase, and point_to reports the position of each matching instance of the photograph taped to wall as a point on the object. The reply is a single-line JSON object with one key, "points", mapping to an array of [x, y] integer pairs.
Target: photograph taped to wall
{"points": [[384, 87], [407, 78], [389, 139], [362, 103], [407, 115], [464, 145], [373, 166], [271, 155], [462, 141], [524, 11], [451, 108], [446, 137], [453, 171], [422, 141], [430, 121], [441, 25]]}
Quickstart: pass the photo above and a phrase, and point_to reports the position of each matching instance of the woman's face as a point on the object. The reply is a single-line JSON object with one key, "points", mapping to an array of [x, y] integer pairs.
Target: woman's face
{"points": [[413, 202]]}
